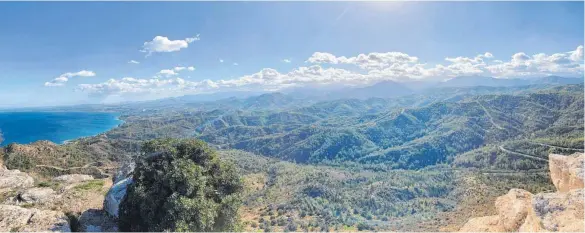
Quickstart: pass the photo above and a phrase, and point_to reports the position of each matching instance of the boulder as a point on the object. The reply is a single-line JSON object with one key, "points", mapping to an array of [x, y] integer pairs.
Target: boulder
{"points": [[124, 171], [115, 196], [72, 178], [94, 220], [566, 172], [513, 208], [15, 218], [11, 179], [34, 195]]}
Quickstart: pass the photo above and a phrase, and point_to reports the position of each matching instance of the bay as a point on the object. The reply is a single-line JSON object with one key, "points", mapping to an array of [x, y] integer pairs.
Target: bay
{"points": [[58, 127]]}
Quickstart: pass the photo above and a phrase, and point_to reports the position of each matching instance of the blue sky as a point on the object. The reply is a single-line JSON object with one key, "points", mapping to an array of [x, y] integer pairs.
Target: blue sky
{"points": [[90, 45]]}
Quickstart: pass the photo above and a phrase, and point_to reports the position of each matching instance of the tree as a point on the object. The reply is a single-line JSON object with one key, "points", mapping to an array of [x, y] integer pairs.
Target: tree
{"points": [[181, 185]]}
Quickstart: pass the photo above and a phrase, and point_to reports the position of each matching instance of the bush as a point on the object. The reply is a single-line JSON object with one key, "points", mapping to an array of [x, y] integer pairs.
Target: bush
{"points": [[181, 185]]}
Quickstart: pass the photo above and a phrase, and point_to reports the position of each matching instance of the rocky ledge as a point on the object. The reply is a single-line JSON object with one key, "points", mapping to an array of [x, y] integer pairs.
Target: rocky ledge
{"points": [[522, 211]]}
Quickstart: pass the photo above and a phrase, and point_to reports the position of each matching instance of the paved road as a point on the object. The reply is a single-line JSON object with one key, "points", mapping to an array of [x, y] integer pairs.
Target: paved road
{"points": [[560, 147], [522, 154]]}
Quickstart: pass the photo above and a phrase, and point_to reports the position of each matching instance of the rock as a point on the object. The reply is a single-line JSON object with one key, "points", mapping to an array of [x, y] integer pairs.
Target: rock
{"points": [[566, 172], [94, 220], [73, 178], [521, 211], [124, 171], [483, 224], [34, 195], [15, 218], [11, 179], [513, 208], [560, 211], [115, 196]]}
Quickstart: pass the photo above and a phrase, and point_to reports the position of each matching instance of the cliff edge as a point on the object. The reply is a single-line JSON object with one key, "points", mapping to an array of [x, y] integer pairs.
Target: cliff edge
{"points": [[520, 210]]}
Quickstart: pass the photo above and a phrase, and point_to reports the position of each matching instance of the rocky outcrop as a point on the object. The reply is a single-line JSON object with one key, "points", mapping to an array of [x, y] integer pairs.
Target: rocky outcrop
{"points": [[519, 210], [33, 195], [13, 179], [566, 172], [513, 208], [96, 221], [558, 211], [15, 218], [122, 179], [73, 178], [115, 196]]}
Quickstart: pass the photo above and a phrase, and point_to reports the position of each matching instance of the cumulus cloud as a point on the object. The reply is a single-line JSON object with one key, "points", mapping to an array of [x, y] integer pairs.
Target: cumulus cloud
{"points": [[522, 64], [174, 71], [162, 44], [365, 61], [286, 60], [221, 60], [167, 72], [235, 64], [130, 85], [62, 79], [133, 62], [373, 67]]}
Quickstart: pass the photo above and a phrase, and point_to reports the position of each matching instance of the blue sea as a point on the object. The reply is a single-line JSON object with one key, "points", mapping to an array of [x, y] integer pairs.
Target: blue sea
{"points": [[58, 127]]}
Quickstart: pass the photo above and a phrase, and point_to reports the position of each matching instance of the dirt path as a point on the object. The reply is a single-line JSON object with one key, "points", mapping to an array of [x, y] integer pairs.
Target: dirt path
{"points": [[84, 166], [490, 116]]}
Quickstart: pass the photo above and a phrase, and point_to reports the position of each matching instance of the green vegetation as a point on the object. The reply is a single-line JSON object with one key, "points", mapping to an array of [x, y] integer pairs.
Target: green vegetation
{"points": [[181, 185], [346, 164], [90, 185]]}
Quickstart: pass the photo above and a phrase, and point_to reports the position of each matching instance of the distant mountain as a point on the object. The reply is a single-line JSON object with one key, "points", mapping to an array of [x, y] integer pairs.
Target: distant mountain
{"points": [[557, 80], [275, 99], [218, 96], [385, 89], [470, 81]]}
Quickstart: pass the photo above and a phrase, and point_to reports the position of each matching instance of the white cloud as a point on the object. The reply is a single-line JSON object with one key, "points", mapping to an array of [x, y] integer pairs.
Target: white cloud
{"points": [[167, 72], [364, 61], [174, 71], [221, 60], [162, 44], [565, 63], [235, 64], [375, 67], [286, 60], [133, 62], [62, 79]]}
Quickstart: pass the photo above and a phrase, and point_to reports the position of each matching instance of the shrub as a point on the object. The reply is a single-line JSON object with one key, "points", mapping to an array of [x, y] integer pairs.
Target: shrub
{"points": [[181, 185]]}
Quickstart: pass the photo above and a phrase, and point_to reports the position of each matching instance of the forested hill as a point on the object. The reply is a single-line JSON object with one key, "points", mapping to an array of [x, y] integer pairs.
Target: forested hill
{"points": [[412, 131]]}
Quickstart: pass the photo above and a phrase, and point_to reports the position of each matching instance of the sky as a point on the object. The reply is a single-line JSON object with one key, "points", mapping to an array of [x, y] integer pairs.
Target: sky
{"points": [[62, 53]]}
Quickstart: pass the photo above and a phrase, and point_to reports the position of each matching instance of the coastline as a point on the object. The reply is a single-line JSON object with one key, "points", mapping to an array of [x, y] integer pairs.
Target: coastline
{"points": [[91, 125]]}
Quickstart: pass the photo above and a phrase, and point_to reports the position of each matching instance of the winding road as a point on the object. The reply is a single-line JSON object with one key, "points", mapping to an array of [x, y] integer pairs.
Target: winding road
{"points": [[560, 147], [522, 154]]}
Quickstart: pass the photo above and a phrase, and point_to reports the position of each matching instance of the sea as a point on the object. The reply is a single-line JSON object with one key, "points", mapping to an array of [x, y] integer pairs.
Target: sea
{"points": [[58, 127]]}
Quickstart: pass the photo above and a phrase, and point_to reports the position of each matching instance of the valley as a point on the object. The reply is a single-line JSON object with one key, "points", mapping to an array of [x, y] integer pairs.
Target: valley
{"points": [[387, 164]]}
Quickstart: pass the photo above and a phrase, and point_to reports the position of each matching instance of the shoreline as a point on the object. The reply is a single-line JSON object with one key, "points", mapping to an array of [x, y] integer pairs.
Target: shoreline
{"points": [[116, 119]]}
